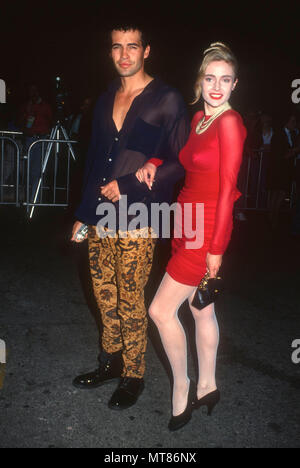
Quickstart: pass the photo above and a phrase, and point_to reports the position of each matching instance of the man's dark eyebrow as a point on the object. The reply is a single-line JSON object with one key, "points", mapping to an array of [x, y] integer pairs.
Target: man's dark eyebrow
{"points": [[129, 44]]}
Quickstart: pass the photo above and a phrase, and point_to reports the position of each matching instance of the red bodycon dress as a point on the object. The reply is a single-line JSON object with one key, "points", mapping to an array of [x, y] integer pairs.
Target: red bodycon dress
{"points": [[211, 160]]}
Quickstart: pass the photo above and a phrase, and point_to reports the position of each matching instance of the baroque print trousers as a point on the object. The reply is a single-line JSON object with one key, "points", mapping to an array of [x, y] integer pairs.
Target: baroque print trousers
{"points": [[120, 269]]}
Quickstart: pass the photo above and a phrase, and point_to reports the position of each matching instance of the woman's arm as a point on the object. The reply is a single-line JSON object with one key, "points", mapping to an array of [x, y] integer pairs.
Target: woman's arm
{"points": [[232, 134]]}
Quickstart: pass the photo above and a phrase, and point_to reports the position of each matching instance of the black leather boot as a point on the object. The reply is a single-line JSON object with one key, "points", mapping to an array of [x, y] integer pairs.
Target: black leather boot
{"points": [[110, 368], [127, 393]]}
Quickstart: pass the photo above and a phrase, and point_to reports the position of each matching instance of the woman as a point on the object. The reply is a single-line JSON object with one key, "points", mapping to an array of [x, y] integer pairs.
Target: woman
{"points": [[211, 158]]}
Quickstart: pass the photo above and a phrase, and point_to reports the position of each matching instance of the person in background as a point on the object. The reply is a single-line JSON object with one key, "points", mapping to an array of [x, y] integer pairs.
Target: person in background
{"points": [[35, 119], [282, 167], [80, 131], [266, 133], [296, 215]]}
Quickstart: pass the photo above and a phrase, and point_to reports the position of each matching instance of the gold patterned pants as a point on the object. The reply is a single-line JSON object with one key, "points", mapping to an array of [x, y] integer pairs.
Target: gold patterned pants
{"points": [[120, 269]]}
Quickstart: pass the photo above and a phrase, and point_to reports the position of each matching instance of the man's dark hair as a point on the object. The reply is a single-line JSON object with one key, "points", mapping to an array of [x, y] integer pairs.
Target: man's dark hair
{"points": [[132, 27]]}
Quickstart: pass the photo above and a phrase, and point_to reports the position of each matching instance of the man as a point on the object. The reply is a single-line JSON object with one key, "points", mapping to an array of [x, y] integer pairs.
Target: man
{"points": [[35, 121], [139, 117]]}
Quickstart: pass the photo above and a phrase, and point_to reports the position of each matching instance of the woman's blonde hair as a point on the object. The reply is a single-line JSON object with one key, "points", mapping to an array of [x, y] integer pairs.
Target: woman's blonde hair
{"points": [[217, 51]]}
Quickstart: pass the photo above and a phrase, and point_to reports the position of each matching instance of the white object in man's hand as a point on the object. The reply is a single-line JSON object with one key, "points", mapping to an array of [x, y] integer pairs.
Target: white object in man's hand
{"points": [[77, 225]]}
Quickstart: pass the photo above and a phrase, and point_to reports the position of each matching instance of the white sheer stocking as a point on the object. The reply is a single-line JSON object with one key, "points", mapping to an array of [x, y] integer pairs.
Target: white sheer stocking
{"points": [[207, 341], [164, 312]]}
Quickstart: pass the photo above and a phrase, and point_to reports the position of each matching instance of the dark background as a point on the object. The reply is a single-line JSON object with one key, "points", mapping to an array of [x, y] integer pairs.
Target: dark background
{"points": [[41, 40]]}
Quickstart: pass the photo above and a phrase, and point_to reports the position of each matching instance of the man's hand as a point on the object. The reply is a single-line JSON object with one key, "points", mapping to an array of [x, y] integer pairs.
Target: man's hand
{"points": [[111, 191], [77, 225]]}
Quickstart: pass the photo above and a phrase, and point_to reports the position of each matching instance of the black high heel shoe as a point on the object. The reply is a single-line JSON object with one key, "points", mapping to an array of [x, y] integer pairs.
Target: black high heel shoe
{"points": [[177, 422], [210, 400]]}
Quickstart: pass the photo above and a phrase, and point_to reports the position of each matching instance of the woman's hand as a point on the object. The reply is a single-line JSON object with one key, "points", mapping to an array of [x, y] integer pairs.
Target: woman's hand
{"points": [[146, 174], [213, 263]]}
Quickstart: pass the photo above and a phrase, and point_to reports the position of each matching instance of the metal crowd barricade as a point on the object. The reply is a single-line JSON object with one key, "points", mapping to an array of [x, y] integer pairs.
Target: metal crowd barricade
{"points": [[14, 177], [255, 195], [44, 190], [10, 165]]}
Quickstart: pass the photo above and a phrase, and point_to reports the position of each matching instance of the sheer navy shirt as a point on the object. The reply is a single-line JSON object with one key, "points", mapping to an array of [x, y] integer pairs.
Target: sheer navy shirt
{"points": [[156, 125]]}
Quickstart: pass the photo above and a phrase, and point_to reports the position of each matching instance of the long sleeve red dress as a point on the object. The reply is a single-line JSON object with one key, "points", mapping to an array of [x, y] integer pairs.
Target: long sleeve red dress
{"points": [[211, 160]]}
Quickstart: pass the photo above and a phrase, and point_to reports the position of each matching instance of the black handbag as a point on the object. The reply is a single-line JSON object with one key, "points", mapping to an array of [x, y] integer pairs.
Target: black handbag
{"points": [[207, 292]]}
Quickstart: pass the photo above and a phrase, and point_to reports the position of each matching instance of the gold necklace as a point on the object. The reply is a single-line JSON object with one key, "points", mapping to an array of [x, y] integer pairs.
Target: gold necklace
{"points": [[203, 124]]}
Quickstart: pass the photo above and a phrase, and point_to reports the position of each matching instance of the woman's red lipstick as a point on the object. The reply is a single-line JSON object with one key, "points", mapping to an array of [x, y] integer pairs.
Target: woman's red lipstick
{"points": [[216, 96]]}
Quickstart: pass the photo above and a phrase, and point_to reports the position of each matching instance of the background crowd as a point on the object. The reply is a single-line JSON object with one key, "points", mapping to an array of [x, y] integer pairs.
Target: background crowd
{"points": [[269, 178]]}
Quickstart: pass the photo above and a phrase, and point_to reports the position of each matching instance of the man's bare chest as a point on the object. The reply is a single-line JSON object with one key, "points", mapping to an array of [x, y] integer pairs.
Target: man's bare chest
{"points": [[122, 105]]}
